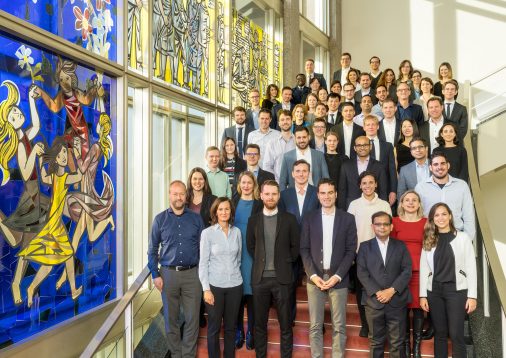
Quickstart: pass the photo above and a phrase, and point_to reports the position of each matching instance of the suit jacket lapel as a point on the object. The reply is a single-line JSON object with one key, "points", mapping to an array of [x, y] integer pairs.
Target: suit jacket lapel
{"points": [[378, 251], [337, 222], [390, 250]]}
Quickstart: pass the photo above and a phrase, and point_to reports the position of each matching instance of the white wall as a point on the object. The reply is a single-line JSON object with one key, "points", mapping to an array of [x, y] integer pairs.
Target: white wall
{"points": [[470, 34]]}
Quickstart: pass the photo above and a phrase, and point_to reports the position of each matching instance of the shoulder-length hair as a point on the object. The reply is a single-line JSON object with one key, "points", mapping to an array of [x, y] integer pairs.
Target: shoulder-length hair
{"points": [[440, 139], [307, 97], [382, 79], [448, 66], [268, 91], [410, 74], [256, 189], [431, 232], [400, 209], [402, 138], [189, 188], [223, 152], [214, 210]]}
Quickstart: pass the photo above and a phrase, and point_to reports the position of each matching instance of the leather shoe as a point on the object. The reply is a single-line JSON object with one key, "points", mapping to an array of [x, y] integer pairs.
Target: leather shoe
{"points": [[364, 332], [250, 343], [202, 321], [239, 339], [428, 333]]}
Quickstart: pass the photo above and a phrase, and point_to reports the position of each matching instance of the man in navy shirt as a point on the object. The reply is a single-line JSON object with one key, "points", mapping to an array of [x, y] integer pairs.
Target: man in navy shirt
{"points": [[173, 255]]}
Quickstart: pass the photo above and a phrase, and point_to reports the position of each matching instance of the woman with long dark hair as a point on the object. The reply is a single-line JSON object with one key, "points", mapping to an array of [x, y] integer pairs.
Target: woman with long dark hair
{"points": [[199, 197], [230, 161], [409, 130], [271, 96], [448, 281], [449, 144]]}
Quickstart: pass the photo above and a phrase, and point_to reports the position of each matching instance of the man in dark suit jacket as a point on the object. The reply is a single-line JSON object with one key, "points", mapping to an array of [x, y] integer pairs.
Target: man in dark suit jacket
{"points": [[300, 91], [405, 107], [430, 130], [348, 113], [349, 97], [240, 127], [252, 155], [349, 189], [384, 269], [389, 109], [408, 176], [345, 65], [286, 103], [310, 74], [453, 111], [273, 243], [253, 112], [386, 155], [365, 83], [327, 260]]}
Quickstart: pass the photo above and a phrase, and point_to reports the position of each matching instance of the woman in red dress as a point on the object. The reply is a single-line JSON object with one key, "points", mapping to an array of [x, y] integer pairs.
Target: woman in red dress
{"points": [[409, 227]]}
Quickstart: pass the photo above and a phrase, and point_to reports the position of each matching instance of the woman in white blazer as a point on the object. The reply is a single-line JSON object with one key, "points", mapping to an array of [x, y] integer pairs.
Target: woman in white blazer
{"points": [[447, 280]]}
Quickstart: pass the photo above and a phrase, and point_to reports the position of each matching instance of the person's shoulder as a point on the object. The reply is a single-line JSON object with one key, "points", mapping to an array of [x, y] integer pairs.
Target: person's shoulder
{"points": [[345, 215]]}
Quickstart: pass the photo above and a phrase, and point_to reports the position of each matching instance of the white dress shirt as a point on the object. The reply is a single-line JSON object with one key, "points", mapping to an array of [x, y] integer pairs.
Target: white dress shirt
{"points": [[389, 127], [328, 229], [344, 74], [383, 249], [434, 133], [262, 140], [348, 134], [307, 157], [301, 196], [274, 152], [376, 147]]}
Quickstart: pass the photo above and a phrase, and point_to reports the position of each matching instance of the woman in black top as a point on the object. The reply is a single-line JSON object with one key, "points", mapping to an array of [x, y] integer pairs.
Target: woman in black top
{"points": [[271, 96], [409, 130], [448, 286], [230, 162], [199, 199], [334, 159], [456, 153]]}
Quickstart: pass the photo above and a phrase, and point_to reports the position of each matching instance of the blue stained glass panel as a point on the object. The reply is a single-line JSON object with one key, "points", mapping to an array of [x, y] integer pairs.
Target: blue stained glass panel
{"points": [[87, 23], [58, 175]]}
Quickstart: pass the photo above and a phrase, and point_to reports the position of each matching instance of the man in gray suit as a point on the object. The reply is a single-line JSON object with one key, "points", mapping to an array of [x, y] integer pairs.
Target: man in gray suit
{"points": [[239, 132], [315, 159], [453, 111], [418, 170]]}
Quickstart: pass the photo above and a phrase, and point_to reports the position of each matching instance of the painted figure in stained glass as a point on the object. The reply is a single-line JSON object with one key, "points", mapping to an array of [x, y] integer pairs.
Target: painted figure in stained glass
{"points": [[197, 46], [51, 246], [163, 36], [32, 209], [134, 45], [180, 23], [71, 97], [220, 66], [90, 210]]}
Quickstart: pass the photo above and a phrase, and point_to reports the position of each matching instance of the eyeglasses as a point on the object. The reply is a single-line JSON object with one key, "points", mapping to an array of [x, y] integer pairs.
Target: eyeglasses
{"points": [[382, 224], [362, 145], [251, 154], [319, 127], [418, 147]]}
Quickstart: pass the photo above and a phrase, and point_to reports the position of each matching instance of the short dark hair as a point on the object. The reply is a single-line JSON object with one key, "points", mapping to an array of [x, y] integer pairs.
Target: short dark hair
{"points": [[435, 99], [284, 112], [270, 183], [214, 209], [419, 139], [239, 109], [380, 214], [286, 88], [451, 82], [299, 162], [388, 100], [437, 154], [346, 54], [373, 57], [366, 173], [347, 104], [301, 129], [334, 95], [328, 181], [264, 110], [252, 145], [365, 74]]}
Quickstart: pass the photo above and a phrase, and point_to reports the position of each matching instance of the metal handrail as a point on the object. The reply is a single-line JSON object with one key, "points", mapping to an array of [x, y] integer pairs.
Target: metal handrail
{"points": [[115, 314], [489, 75]]}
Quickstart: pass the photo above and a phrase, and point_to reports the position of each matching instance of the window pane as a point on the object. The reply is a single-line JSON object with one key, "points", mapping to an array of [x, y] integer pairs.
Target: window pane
{"points": [[160, 154], [197, 145], [137, 35], [177, 149]]}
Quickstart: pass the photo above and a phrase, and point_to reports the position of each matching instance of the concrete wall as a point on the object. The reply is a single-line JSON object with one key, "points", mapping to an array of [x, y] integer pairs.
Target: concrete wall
{"points": [[467, 33]]}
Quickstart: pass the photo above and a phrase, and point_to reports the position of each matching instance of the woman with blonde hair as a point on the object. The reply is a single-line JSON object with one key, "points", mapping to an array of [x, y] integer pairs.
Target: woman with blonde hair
{"points": [[311, 101], [31, 213], [409, 227], [247, 203], [445, 73], [299, 117], [448, 280]]}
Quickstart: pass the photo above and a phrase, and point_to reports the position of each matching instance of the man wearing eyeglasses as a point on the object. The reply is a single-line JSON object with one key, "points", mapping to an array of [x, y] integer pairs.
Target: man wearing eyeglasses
{"points": [[384, 269], [252, 156], [405, 107], [418, 170]]}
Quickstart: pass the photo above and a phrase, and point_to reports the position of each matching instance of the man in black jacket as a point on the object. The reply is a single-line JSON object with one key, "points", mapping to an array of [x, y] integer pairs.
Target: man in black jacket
{"points": [[273, 243]]}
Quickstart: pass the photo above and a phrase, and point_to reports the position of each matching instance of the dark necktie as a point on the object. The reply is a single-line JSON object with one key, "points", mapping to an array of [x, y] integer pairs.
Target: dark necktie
{"points": [[239, 142], [332, 119], [373, 149], [448, 110]]}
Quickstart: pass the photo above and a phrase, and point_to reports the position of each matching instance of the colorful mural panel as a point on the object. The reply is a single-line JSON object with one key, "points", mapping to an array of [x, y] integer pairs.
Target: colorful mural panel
{"points": [[222, 52], [137, 35], [182, 32], [250, 58], [87, 23], [57, 189]]}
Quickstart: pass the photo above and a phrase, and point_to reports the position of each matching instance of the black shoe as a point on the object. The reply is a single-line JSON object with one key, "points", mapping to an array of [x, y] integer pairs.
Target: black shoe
{"points": [[428, 333], [250, 342], [364, 332], [239, 339]]}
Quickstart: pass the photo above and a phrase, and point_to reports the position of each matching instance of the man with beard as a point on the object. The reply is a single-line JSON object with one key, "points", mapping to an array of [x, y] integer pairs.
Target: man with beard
{"points": [[273, 243], [315, 159], [442, 187], [278, 147], [173, 256]]}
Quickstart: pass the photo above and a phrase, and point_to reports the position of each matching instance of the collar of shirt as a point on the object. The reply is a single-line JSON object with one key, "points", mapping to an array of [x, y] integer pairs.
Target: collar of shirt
{"points": [[440, 122], [264, 133], [185, 210], [363, 161], [253, 169], [424, 165], [449, 102], [390, 121], [301, 153], [218, 227], [449, 182], [209, 170], [368, 91], [333, 213], [348, 125], [298, 189], [240, 125], [270, 212], [370, 201], [400, 107]]}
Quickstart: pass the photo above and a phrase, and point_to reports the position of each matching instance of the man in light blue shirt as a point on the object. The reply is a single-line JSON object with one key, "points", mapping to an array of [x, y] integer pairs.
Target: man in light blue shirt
{"points": [[218, 180]]}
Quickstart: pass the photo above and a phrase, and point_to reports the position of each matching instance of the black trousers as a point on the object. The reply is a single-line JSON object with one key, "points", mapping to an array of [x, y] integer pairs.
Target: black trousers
{"points": [[263, 293], [447, 309], [247, 300], [226, 305], [388, 322], [359, 290]]}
